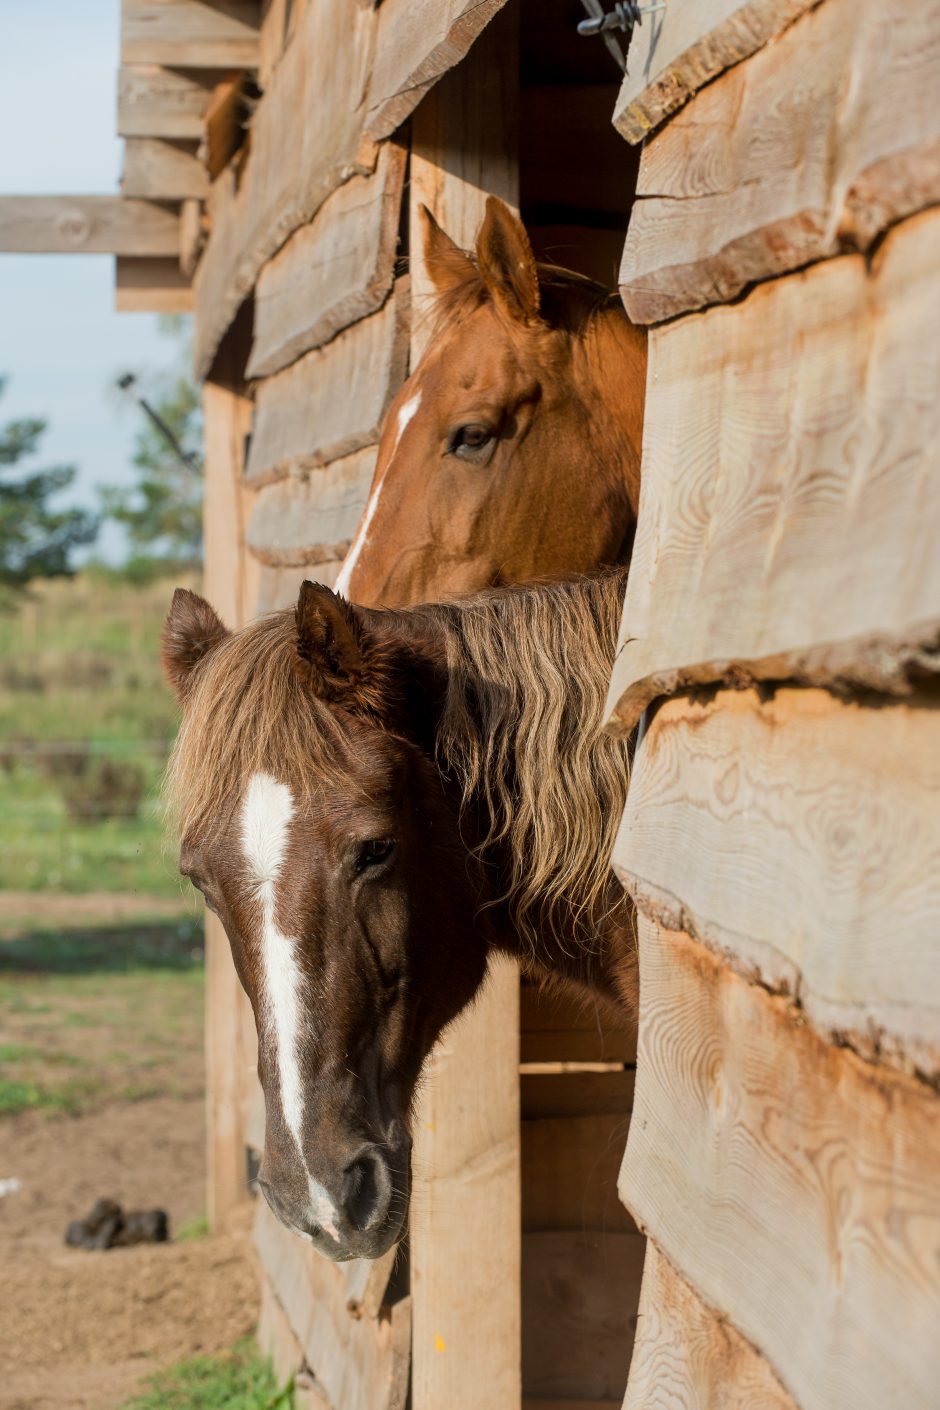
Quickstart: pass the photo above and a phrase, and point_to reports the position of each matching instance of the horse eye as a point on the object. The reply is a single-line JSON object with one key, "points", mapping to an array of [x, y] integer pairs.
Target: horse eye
{"points": [[466, 442], [373, 852]]}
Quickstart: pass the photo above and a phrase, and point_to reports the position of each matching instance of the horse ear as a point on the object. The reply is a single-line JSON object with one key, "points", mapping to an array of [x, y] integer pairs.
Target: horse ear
{"points": [[192, 629], [446, 263], [336, 654], [507, 264]]}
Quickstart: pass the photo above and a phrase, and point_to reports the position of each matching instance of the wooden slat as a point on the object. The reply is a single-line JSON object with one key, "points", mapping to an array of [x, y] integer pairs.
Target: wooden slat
{"points": [[159, 102], [843, 799], [688, 1358], [813, 146], [564, 1027], [796, 1187], [162, 170], [674, 53], [306, 140], [332, 272], [556, 1094], [151, 286], [579, 1291], [190, 33], [569, 1174], [272, 37], [332, 401], [311, 516], [417, 42], [192, 236], [280, 587], [94, 225], [789, 512]]}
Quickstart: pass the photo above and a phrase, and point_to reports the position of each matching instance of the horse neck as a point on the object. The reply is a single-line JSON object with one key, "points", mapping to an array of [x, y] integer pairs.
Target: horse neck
{"points": [[609, 371]]}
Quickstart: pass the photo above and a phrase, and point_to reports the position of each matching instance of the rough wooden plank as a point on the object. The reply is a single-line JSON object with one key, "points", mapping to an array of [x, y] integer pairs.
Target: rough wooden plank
{"points": [[306, 140], [789, 511], [280, 587], [332, 272], [190, 33], [675, 53], [569, 1027], [418, 41], [158, 102], [272, 37], [311, 516], [151, 286], [192, 236], [576, 1093], [812, 147], [93, 225], [569, 1174], [843, 799], [688, 1358], [580, 1291], [332, 401], [159, 169], [796, 1187]]}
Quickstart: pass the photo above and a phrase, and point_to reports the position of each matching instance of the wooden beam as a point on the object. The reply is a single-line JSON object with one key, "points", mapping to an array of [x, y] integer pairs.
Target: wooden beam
{"points": [[192, 236], [687, 1355], [158, 102], [563, 1027], [94, 225], [311, 517], [186, 34], [794, 1186], [843, 797], [569, 1174], [675, 53], [280, 587], [151, 286], [159, 169], [333, 271], [790, 157], [332, 402], [788, 516]]}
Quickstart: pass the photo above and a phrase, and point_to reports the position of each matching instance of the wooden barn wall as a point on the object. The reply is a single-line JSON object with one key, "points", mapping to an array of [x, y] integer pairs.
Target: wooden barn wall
{"points": [[779, 650]]}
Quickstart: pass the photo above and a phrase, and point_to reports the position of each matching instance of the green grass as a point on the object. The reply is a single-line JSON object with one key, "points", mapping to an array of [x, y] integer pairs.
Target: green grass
{"points": [[242, 1380], [195, 1229]]}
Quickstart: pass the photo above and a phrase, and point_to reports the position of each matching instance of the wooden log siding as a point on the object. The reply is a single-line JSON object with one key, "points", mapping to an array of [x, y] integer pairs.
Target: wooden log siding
{"points": [[92, 225], [790, 443], [812, 147], [162, 170], [844, 798], [333, 271], [190, 33], [792, 1184], [151, 286], [311, 517], [306, 415], [158, 102]]}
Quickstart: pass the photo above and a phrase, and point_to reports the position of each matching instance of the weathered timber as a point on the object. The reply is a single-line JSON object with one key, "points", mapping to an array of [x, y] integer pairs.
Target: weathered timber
{"points": [[151, 286], [687, 1357], [813, 146], [360, 1365], [674, 53], [158, 102], [582, 1093], [94, 225], [312, 515], [843, 798], [224, 123], [417, 42], [789, 512], [366, 1281], [333, 271], [561, 1027], [272, 37], [161, 169], [279, 587], [757, 1146], [306, 140], [332, 401], [579, 1291], [190, 33], [192, 236], [569, 1174]]}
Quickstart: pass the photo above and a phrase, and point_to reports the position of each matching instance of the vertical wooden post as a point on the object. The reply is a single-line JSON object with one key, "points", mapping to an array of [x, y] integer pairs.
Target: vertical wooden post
{"points": [[465, 1236]]}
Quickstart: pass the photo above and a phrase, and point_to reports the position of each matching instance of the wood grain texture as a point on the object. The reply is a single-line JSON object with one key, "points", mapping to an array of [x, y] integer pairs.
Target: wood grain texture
{"points": [[687, 1358], [800, 837], [158, 102], [569, 1174], [91, 225], [675, 53], [580, 1292], [311, 516], [160, 169], [566, 1027], [583, 1093], [190, 33], [796, 1187], [333, 271], [151, 286], [789, 510], [280, 587], [192, 236], [812, 147], [332, 402]]}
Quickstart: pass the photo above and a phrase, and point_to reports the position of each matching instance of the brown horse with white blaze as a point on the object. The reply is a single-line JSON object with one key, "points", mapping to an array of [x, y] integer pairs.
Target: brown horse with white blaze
{"points": [[513, 451], [374, 802]]}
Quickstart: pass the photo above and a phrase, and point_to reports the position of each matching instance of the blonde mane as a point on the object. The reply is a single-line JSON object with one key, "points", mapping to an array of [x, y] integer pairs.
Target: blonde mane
{"points": [[527, 673]]}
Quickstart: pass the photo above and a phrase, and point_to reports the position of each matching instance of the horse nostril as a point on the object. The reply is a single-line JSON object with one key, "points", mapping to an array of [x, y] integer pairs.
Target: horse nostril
{"points": [[367, 1191]]}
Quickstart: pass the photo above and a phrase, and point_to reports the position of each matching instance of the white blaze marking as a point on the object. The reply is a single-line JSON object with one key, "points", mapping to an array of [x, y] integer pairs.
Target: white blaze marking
{"points": [[266, 817], [405, 415]]}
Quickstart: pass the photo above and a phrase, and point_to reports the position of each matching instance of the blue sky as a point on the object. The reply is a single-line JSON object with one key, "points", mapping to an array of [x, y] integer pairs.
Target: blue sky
{"points": [[61, 343]]}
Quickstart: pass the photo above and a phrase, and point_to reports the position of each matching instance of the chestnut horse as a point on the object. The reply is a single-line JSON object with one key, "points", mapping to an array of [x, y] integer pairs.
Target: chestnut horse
{"points": [[513, 451], [373, 802]]}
